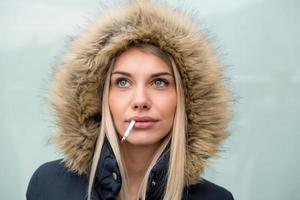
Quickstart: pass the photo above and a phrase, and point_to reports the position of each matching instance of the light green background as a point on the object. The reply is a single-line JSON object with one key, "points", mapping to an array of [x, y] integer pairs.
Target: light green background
{"points": [[258, 41]]}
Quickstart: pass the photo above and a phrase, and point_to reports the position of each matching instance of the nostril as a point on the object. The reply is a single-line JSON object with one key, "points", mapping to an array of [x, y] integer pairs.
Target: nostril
{"points": [[143, 105]]}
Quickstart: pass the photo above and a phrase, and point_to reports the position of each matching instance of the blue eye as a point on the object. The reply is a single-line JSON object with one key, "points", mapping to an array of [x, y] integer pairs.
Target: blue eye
{"points": [[122, 83], [160, 82]]}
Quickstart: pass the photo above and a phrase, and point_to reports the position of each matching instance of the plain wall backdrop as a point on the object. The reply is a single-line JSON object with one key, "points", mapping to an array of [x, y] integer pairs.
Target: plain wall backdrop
{"points": [[258, 42]]}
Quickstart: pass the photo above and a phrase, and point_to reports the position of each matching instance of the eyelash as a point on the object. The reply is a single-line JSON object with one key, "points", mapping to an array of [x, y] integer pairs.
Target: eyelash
{"points": [[118, 80]]}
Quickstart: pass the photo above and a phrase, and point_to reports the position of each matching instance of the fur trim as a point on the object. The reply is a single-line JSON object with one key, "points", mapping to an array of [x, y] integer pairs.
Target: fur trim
{"points": [[76, 91]]}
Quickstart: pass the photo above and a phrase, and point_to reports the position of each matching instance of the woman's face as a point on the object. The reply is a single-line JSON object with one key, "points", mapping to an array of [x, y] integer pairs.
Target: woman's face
{"points": [[142, 88]]}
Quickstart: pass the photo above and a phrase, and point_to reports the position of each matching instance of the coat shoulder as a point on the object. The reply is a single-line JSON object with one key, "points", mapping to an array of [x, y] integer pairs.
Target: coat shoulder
{"points": [[49, 169], [52, 180], [207, 190]]}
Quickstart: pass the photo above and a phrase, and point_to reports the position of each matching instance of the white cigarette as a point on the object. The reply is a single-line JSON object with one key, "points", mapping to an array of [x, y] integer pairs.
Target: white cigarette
{"points": [[129, 128]]}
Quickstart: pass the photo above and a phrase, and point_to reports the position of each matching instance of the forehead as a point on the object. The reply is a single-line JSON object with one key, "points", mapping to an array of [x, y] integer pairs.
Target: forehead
{"points": [[138, 61]]}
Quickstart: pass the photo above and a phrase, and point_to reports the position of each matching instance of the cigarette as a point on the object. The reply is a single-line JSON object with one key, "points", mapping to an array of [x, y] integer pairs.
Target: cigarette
{"points": [[129, 128]]}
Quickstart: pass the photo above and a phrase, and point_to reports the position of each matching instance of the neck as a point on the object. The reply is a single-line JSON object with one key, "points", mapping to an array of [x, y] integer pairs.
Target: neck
{"points": [[136, 160]]}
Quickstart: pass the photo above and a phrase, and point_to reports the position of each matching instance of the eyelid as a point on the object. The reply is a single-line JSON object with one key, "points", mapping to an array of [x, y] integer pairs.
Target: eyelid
{"points": [[161, 79], [120, 78], [164, 78]]}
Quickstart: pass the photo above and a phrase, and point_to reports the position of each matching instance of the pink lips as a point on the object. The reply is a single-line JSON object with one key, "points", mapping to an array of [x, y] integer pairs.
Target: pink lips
{"points": [[143, 121]]}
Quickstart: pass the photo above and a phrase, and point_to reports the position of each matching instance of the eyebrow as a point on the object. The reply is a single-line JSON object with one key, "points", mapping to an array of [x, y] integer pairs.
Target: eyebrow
{"points": [[152, 75]]}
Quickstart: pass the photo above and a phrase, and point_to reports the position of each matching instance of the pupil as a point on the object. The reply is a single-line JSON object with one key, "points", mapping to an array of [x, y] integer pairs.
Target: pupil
{"points": [[123, 83], [158, 82]]}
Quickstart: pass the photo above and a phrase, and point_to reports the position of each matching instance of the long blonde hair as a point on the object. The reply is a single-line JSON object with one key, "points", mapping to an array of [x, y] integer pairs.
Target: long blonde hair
{"points": [[177, 137]]}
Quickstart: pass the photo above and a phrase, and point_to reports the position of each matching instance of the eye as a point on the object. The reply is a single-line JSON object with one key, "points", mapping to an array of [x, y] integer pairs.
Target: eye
{"points": [[160, 82], [121, 82]]}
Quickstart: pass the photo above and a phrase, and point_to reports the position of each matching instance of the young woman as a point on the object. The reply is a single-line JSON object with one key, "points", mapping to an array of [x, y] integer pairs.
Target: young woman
{"points": [[146, 67]]}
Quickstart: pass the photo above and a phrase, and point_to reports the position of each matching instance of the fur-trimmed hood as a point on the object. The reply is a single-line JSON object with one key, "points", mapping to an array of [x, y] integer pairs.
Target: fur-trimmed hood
{"points": [[79, 78]]}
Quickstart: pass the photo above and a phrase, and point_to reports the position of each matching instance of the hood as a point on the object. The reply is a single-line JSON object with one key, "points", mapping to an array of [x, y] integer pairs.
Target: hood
{"points": [[77, 88]]}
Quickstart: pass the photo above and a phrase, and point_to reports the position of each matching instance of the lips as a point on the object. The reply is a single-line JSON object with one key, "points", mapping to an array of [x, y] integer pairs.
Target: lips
{"points": [[143, 121]]}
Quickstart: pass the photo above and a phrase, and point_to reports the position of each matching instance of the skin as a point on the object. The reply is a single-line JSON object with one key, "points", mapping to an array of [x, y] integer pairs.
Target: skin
{"points": [[141, 84]]}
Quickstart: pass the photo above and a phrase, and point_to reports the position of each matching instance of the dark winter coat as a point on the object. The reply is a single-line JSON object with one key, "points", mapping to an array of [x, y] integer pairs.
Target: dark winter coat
{"points": [[52, 181], [76, 98]]}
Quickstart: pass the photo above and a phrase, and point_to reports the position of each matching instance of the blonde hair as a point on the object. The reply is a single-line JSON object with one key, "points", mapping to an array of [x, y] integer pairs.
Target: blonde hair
{"points": [[176, 138]]}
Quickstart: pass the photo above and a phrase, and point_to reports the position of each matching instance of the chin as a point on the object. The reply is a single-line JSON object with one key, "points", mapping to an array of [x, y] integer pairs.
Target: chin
{"points": [[144, 139], [143, 143]]}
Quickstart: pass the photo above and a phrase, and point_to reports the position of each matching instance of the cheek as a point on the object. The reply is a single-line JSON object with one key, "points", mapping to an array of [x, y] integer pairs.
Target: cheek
{"points": [[168, 107], [115, 105], [118, 107]]}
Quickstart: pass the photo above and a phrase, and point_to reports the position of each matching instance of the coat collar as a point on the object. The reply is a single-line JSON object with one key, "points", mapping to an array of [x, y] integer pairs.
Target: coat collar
{"points": [[108, 179]]}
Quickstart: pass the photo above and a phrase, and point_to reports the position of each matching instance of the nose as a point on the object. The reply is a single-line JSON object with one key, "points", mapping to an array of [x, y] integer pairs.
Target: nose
{"points": [[141, 99]]}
